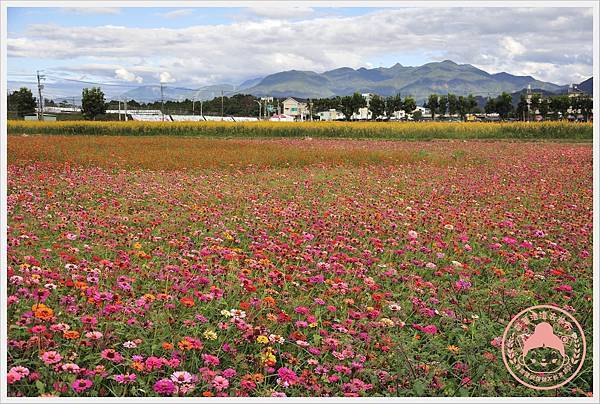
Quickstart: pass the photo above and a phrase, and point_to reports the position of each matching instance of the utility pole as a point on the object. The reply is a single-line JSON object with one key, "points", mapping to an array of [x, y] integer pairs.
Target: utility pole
{"points": [[259, 109], [222, 105], [162, 102], [119, 101], [40, 99], [201, 108], [126, 111]]}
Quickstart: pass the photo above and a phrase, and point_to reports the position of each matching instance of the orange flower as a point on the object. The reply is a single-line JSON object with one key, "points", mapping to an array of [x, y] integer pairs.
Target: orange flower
{"points": [[207, 394], [167, 346], [269, 301], [149, 297], [185, 345], [71, 334], [139, 366], [187, 301], [244, 305], [42, 312]]}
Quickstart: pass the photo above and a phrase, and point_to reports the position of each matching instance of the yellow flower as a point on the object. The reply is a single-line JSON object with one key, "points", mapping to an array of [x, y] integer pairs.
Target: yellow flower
{"points": [[137, 246], [454, 349], [262, 339], [210, 335]]}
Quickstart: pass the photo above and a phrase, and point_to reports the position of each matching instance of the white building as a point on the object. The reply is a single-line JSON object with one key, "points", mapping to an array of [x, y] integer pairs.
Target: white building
{"points": [[331, 115], [296, 107]]}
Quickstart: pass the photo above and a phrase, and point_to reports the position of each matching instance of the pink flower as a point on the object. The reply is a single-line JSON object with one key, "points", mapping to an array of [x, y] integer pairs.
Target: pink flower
{"points": [[111, 355], [210, 360], [80, 385], [13, 377], [164, 387], [287, 377], [181, 377], [50, 357], [430, 329], [413, 235], [125, 378], [220, 383]]}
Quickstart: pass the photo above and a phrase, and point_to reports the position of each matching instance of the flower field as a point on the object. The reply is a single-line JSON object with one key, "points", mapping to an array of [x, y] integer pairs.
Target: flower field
{"points": [[165, 266], [364, 130]]}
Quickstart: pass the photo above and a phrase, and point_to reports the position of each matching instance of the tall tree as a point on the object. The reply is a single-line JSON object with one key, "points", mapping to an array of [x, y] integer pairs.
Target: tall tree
{"points": [[504, 105], [393, 104], [560, 103], [376, 106], [535, 103], [21, 102], [433, 103], [92, 102], [358, 102], [347, 107], [471, 104], [453, 106], [409, 105], [443, 107]]}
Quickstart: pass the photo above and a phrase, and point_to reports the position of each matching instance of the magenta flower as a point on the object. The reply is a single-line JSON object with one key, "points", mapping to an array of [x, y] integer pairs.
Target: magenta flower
{"points": [[81, 385], [164, 387]]}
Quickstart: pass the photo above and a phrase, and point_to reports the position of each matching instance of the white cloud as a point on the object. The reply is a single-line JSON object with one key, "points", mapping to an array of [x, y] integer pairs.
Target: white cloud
{"points": [[123, 74], [165, 77], [282, 11], [178, 13], [552, 44], [512, 46], [92, 10]]}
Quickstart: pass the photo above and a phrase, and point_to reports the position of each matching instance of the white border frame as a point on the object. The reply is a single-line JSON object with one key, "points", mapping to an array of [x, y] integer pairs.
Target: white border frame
{"points": [[382, 4]]}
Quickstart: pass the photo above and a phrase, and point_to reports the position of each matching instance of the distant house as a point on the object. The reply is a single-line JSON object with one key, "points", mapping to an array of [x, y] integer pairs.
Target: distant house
{"points": [[296, 107], [331, 115], [574, 91], [362, 114]]}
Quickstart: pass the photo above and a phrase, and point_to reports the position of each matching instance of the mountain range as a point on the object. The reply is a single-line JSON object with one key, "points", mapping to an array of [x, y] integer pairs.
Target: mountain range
{"points": [[416, 81]]}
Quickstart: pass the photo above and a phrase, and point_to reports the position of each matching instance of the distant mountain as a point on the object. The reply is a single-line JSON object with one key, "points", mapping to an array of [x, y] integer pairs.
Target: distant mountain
{"points": [[587, 86], [418, 81], [249, 83], [173, 93]]}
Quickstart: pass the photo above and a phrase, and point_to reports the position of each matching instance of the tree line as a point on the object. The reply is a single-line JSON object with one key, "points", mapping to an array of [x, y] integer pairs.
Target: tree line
{"points": [[22, 102]]}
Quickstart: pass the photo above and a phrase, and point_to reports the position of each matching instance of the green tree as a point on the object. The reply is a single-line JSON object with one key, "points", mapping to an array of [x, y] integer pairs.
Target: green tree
{"points": [[21, 102], [453, 105], [544, 107], [376, 106], [504, 105], [433, 103], [443, 108], [409, 105], [535, 103], [346, 106], [393, 104], [522, 110], [490, 106], [471, 104], [92, 102], [358, 102], [560, 103]]}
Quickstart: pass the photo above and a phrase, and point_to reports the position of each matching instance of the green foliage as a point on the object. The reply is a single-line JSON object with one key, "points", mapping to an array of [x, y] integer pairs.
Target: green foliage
{"points": [[92, 102], [21, 102], [377, 106]]}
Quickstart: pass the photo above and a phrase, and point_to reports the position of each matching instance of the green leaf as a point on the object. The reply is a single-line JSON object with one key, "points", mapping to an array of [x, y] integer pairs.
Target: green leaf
{"points": [[419, 387], [40, 386]]}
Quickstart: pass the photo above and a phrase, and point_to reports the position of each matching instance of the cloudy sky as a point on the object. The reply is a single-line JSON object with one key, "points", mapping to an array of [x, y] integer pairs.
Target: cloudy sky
{"points": [[200, 46]]}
